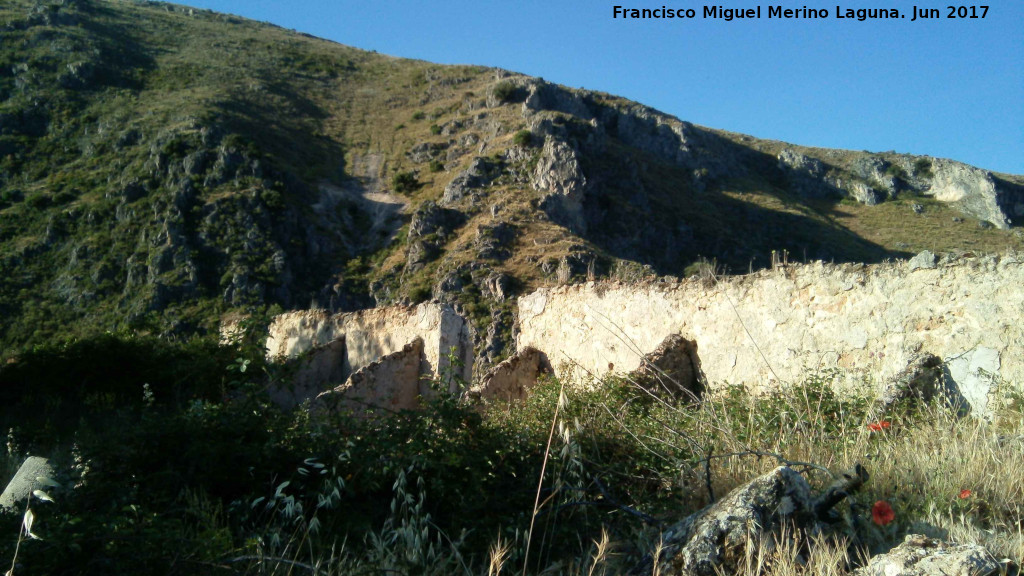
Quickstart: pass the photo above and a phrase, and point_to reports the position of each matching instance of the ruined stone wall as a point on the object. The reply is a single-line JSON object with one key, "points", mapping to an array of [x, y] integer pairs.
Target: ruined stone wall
{"points": [[771, 327], [370, 334]]}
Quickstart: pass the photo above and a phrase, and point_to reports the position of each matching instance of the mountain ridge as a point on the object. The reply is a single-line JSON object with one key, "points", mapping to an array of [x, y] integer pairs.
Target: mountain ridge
{"points": [[163, 166]]}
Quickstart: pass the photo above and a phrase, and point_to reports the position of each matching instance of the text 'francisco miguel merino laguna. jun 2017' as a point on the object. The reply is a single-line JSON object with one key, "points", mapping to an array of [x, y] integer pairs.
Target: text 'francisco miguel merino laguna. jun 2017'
{"points": [[914, 14]]}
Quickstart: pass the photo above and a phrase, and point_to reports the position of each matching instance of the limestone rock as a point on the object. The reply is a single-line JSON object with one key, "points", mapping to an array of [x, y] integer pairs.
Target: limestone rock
{"points": [[874, 169], [922, 556], [513, 378], [713, 540], [806, 175], [672, 369], [559, 174], [426, 151], [480, 173], [24, 482], [391, 383], [972, 189], [429, 229], [494, 241], [921, 380], [924, 260], [862, 193], [497, 286]]}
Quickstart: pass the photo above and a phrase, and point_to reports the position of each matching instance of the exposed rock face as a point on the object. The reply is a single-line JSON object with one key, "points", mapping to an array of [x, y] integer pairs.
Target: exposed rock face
{"points": [[925, 260], [921, 380], [713, 541], [868, 321], [480, 173], [559, 174], [812, 178], [672, 370], [971, 188], [24, 482], [922, 556], [371, 334], [805, 173], [494, 242], [874, 169], [429, 229], [513, 378], [389, 384]]}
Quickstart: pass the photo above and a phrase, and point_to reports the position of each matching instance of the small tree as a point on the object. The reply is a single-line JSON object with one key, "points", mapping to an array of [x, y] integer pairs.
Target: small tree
{"points": [[403, 182]]}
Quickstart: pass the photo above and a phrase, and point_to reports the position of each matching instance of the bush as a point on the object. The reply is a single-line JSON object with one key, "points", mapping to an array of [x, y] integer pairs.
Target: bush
{"points": [[896, 171], [403, 182], [523, 138], [507, 92], [436, 166], [435, 129], [923, 167]]}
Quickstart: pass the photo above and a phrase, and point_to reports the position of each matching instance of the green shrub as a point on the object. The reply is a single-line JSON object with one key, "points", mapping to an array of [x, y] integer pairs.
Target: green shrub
{"points": [[11, 196], [923, 167], [420, 115], [435, 129], [507, 92], [896, 171], [403, 182], [523, 138], [436, 166]]}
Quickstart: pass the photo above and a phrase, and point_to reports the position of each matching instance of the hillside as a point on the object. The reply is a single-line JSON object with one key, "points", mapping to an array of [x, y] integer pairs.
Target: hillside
{"points": [[162, 167], [166, 173]]}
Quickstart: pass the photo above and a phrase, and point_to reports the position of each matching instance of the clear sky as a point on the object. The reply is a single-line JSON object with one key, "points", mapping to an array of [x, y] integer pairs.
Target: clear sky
{"points": [[945, 87]]}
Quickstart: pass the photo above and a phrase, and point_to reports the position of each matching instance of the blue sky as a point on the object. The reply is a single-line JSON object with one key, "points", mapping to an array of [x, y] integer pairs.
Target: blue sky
{"points": [[948, 87]]}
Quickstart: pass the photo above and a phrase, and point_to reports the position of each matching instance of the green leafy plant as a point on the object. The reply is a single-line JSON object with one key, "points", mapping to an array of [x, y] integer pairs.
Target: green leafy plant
{"points": [[404, 182]]}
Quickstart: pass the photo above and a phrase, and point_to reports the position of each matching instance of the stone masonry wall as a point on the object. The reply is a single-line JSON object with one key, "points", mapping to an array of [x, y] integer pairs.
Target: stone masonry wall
{"points": [[370, 334], [775, 325]]}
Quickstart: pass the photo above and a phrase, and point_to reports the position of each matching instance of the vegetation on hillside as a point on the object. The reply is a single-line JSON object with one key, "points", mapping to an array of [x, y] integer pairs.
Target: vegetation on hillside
{"points": [[162, 166]]}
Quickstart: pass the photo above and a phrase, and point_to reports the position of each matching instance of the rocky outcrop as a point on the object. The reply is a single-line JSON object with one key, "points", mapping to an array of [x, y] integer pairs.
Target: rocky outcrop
{"points": [[559, 175], [371, 334], [430, 228], [811, 178], [390, 384], [513, 378], [467, 184], [920, 381], [771, 328], [25, 480], [924, 260], [671, 370], [972, 189], [494, 241], [713, 541], [922, 556]]}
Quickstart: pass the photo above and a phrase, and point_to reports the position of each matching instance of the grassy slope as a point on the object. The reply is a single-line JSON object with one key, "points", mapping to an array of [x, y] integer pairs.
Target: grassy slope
{"points": [[160, 86]]}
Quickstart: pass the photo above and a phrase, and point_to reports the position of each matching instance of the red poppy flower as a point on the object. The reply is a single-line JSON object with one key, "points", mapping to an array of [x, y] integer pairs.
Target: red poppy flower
{"points": [[882, 513], [879, 426], [965, 494]]}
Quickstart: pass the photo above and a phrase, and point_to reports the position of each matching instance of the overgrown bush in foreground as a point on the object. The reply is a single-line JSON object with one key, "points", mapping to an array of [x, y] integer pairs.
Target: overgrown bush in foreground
{"points": [[197, 473]]}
